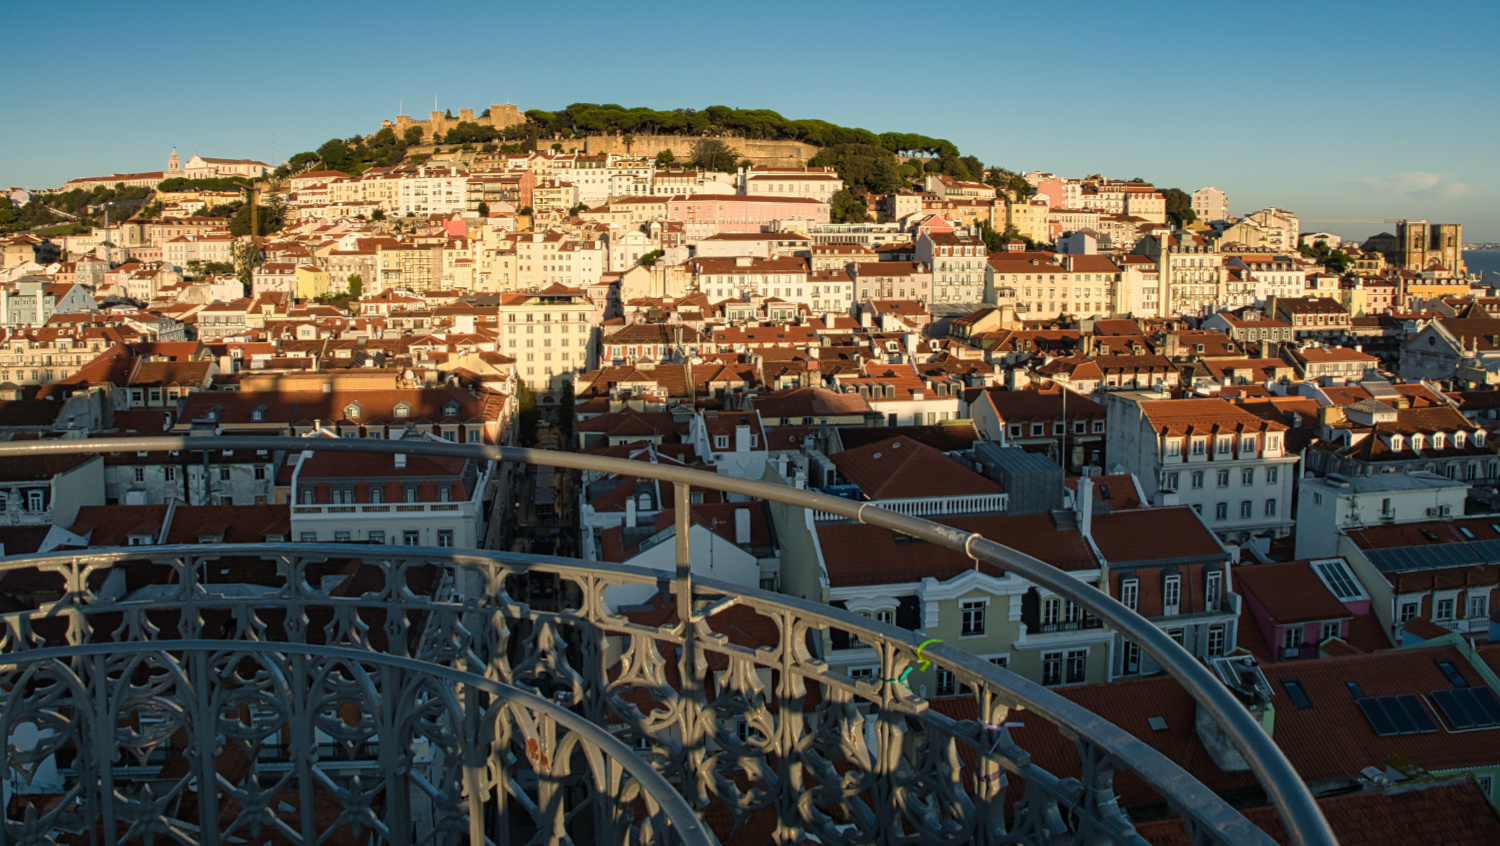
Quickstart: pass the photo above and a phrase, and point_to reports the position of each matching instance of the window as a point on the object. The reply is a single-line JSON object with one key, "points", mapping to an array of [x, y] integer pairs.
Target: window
{"points": [[140, 474], [1328, 631], [1169, 481], [1213, 583], [1216, 640], [377, 536], [341, 536], [1247, 508], [1295, 692], [1408, 611], [1130, 593], [1479, 605], [721, 442], [260, 472], [1171, 594], [1132, 658], [1272, 475], [1444, 609], [1291, 638], [1052, 668], [1224, 445], [945, 683], [973, 618], [1222, 478], [1247, 476], [223, 474], [411, 493], [309, 537], [1174, 447], [1221, 511], [1197, 479], [862, 673], [445, 537], [1078, 663], [1051, 611], [411, 537], [1199, 446], [169, 473]]}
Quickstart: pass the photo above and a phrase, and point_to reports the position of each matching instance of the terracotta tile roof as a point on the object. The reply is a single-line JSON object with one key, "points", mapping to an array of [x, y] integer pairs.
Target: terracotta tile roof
{"points": [[1203, 416], [1153, 534], [856, 554], [901, 467], [945, 437], [1290, 592], [1332, 739], [1453, 813]]}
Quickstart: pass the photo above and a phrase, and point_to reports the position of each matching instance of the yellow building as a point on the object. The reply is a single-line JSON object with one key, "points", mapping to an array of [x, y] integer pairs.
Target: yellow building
{"points": [[310, 282], [1029, 219]]}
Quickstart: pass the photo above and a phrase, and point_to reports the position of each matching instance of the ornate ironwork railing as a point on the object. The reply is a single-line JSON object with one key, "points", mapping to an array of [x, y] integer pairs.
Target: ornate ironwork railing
{"points": [[423, 695]]}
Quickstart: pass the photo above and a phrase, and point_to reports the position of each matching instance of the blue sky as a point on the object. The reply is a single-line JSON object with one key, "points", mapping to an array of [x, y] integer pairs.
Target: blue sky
{"points": [[1334, 110]]}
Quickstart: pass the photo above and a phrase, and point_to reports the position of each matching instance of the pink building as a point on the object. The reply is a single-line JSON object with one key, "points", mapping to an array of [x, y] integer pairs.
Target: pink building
{"points": [[702, 215], [1299, 606]]}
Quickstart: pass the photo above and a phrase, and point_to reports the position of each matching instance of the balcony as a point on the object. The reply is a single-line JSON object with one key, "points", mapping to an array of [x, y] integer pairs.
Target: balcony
{"points": [[470, 696]]}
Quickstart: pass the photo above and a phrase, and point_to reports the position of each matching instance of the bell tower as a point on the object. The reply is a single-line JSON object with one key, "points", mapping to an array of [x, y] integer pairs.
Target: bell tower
{"points": [[174, 165]]}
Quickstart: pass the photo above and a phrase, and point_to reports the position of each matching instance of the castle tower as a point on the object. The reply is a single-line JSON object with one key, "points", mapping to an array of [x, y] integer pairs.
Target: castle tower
{"points": [[174, 165]]}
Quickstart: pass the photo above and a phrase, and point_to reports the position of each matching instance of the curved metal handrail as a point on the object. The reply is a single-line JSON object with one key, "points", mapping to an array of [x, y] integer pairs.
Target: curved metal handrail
{"points": [[684, 822], [1299, 811]]}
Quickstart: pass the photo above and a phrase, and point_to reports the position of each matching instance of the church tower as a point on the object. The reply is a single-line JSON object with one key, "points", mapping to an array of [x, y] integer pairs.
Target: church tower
{"points": [[174, 165]]}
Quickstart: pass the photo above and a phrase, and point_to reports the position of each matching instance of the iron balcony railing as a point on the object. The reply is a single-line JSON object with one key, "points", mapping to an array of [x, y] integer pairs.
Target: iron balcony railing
{"points": [[503, 720]]}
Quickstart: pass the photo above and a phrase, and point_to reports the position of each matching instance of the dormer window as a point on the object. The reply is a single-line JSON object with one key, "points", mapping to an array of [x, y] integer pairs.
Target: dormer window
{"points": [[721, 442], [1417, 441], [1437, 440], [1247, 443], [351, 411], [1397, 443], [450, 410], [1458, 440], [1479, 438], [1199, 446], [403, 410], [257, 415], [1174, 447]]}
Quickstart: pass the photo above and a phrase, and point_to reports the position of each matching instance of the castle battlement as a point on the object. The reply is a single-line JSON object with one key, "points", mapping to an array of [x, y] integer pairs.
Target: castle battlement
{"points": [[437, 123]]}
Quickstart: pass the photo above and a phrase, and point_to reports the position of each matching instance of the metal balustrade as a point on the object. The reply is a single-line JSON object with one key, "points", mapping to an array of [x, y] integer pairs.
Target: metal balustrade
{"points": [[505, 703]]}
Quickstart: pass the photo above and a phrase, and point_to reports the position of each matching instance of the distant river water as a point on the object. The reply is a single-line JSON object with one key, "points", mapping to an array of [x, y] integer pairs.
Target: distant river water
{"points": [[1485, 260]]}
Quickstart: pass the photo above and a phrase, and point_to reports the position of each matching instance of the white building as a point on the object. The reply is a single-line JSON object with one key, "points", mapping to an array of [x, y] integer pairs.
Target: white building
{"points": [[1210, 204], [1228, 464], [1329, 505], [551, 335]]}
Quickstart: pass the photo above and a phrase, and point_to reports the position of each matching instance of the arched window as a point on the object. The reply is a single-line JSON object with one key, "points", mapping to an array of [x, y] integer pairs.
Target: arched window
{"points": [[1416, 441], [403, 410], [351, 411]]}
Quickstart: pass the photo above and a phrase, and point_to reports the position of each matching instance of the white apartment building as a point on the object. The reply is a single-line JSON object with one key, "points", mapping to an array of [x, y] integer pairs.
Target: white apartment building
{"points": [[1210, 204], [743, 277], [400, 500], [1191, 272], [958, 266], [551, 335], [1226, 463], [551, 258], [1328, 505], [817, 183], [432, 190]]}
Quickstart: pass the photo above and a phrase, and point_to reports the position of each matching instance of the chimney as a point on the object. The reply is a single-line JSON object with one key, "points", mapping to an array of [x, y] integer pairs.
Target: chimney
{"points": [[1085, 505], [742, 439], [630, 512], [742, 526]]}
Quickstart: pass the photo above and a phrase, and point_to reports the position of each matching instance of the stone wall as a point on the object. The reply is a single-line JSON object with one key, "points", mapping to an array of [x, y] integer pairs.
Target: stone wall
{"points": [[438, 123], [781, 153]]}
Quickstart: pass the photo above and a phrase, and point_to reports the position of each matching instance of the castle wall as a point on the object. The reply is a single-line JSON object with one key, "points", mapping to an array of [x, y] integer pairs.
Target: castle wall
{"points": [[438, 123], [778, 153]]}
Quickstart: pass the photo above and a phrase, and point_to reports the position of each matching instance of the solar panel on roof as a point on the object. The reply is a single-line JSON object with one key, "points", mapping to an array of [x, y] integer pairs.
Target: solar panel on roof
{"points": [[1454, 711], [1392, 715], [1421, 720], [1482, 699], [1376, 715]]}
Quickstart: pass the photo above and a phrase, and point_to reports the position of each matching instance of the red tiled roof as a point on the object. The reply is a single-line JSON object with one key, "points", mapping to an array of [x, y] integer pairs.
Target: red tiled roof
{"points": [[856, 554], [1453, 813], [1290, 592], [902, 467]]}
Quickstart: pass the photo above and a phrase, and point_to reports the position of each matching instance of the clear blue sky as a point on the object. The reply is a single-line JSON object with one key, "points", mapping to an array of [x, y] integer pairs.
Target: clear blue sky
{"points": [[1334, 110]]}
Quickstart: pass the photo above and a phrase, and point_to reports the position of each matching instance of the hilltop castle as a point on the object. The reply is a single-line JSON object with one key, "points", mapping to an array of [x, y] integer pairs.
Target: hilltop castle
{"points": [[438, 123]]}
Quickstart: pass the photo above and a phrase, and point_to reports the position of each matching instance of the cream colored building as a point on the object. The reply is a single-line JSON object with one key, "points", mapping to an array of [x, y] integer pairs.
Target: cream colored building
{"points": [[551, 335]]}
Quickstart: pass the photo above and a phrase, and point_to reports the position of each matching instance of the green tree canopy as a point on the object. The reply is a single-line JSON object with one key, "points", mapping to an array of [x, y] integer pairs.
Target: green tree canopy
{"points": [[713, 154], [1179, 206], [862, 166], [844, 207]]}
